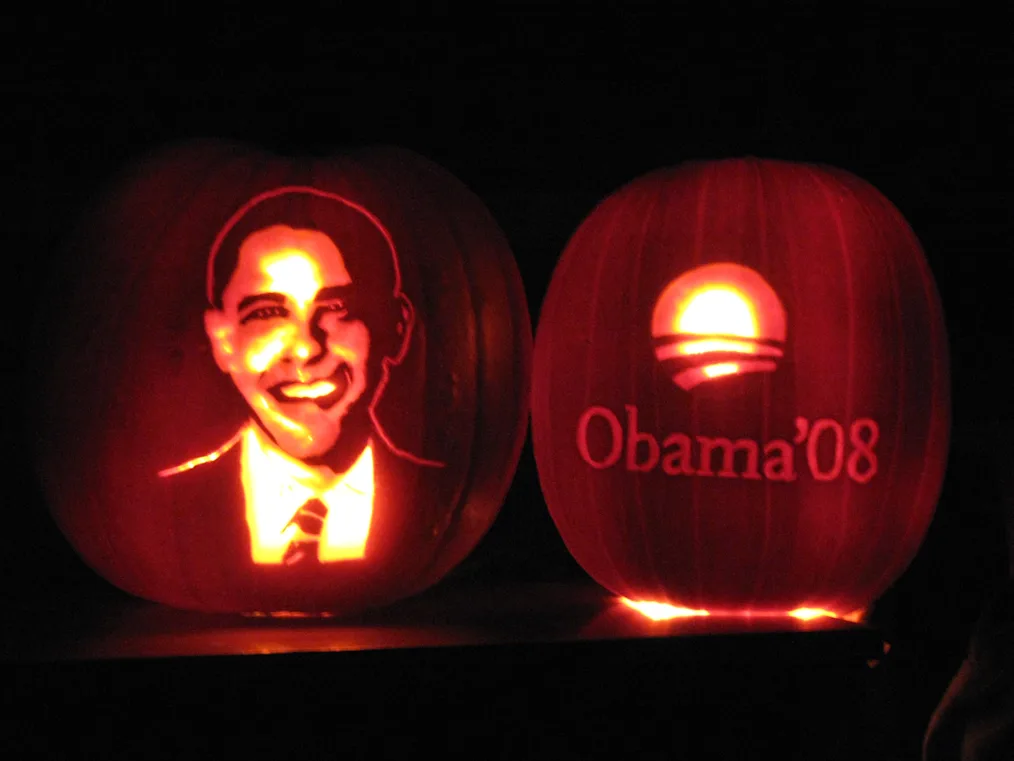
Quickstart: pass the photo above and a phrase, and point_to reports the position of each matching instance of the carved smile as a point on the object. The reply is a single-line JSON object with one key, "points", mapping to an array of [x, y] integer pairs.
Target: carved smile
{"points": [[324, 392], [310, 391]]}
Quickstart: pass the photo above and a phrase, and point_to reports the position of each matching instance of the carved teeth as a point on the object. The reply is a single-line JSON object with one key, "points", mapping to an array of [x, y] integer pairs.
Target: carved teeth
{"points": [[312, 391]]}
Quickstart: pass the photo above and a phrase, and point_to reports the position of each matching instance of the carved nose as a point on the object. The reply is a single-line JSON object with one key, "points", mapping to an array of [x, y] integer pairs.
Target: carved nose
{"points": [[303, 346]]}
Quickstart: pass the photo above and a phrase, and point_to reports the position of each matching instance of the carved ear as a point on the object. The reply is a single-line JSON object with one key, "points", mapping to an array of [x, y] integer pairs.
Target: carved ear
{"points": [[403, 328], [220, 334]]}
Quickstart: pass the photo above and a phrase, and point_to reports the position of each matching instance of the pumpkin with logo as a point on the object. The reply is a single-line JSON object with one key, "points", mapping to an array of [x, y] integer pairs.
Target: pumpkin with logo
{"points": [[277, 384], [740, 399]]}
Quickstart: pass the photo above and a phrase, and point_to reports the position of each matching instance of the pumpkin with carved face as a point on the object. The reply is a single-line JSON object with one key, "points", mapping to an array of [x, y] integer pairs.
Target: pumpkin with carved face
{"points": [[282, 385], [740, 397]]}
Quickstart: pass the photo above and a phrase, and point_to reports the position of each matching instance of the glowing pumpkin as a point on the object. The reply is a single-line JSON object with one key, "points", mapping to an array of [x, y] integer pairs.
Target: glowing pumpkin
{"points": [[740, 399], [283, 384]]}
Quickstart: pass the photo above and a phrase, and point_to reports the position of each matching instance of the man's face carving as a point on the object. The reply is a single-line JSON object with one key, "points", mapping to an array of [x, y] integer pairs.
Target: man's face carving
{"points": [[285, 336]]}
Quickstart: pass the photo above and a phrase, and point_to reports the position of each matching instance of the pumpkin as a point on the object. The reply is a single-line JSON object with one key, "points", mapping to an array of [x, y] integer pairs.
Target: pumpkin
{"points": [[740, 399], [282, 385]]}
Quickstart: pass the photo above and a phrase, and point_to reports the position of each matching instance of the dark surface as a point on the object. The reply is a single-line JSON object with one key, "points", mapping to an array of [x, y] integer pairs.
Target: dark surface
{"points": [[541, 114], [451, 615], [531, 670], [557, 667]]}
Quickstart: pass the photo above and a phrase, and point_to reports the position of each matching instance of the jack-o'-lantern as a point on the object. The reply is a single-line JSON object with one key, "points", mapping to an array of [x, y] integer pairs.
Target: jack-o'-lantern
{"points": [[282, 385], [740, 400]]}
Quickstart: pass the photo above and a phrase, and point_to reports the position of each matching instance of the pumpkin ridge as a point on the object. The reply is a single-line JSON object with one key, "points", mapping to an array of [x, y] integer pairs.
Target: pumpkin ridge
{"points": [[829, 566], [132, 296]]}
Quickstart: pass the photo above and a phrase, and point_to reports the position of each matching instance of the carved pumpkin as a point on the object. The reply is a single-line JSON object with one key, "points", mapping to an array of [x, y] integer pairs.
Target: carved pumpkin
{"points": [[740, 399], [278, 384]]}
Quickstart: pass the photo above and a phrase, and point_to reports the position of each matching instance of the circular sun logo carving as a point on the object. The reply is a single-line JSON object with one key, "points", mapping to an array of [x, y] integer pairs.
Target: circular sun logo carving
{"points": [[717, 320]]}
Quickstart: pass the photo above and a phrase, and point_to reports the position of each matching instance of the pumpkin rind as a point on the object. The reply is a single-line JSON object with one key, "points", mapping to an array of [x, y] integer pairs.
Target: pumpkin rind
{"points": [[864, 347], [131, 386]]}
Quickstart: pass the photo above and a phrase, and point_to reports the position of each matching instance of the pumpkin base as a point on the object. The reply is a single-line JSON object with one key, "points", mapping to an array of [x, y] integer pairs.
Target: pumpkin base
{"points": [[286, 614]]}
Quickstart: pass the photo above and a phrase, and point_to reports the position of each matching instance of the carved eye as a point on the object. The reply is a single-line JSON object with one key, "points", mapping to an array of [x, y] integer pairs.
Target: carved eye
{"points": [[264, 313], [337, 307]]}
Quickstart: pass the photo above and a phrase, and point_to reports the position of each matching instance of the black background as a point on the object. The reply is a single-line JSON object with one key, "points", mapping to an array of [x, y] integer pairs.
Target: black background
{"points": [[542, 114]]}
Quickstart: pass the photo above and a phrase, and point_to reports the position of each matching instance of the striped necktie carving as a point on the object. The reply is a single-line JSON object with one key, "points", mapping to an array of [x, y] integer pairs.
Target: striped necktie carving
{"points": [[309, 520]]}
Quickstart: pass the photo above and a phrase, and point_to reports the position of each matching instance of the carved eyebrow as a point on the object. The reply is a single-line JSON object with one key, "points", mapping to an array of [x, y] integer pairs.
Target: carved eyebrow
{"points": [[333, 292], [274, 298]]}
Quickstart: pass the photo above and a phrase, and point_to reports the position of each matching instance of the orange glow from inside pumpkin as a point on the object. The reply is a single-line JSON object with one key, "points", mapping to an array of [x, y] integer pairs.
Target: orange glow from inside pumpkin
{"points": [[311, 391], [294, 273], [707, 345], [722, 368], [284, 422], [286, 338], [277, 486], [285, 614], [210, 457], [661, 611], [717, 310], [265, 350], [714, 311], [808, 614], [716, 344]]}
